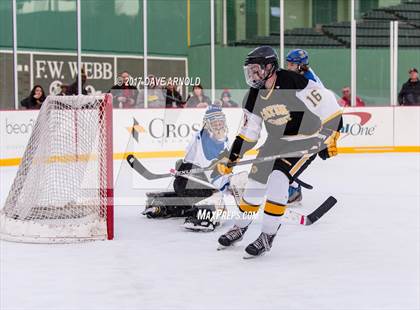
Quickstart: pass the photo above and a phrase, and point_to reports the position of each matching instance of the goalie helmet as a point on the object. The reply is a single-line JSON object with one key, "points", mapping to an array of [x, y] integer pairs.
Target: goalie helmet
{"points": [[215, 123]]}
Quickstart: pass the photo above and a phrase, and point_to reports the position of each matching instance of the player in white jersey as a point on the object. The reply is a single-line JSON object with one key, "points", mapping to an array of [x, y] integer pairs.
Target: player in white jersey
{"points": [[189, 196], [297, 60]]}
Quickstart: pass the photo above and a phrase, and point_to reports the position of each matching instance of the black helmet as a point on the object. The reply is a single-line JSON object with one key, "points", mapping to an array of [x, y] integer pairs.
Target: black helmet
{"points": [[261, 56]]}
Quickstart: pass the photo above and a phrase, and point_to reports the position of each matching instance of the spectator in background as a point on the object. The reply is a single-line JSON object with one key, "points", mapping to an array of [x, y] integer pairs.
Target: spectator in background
{"points": [[345, 101], [35, 98], [410, 91], [73, 88], [64, 89], [173, 97], [198, 99], [227, 101], [123, 92], [155, 95]]}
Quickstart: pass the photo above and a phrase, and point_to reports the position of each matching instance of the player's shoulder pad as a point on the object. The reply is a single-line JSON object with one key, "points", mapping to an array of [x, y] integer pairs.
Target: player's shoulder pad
{"points": [[287, 79]]}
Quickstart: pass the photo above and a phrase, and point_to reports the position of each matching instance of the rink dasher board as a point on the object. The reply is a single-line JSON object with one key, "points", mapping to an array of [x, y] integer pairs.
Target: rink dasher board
{"points": [[157, 133]]}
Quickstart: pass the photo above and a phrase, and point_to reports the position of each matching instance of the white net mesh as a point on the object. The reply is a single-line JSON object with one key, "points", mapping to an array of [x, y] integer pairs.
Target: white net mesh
{"points": [[63, 188]]}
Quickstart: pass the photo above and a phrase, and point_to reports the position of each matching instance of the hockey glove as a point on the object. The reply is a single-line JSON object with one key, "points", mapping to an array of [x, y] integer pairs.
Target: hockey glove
{"points": [[223, 167], [221, 164], [331, 146]]}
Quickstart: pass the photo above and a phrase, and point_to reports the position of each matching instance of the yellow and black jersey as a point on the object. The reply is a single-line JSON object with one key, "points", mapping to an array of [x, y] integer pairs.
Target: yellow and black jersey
{"points": [[293, 109], [281, 111]]}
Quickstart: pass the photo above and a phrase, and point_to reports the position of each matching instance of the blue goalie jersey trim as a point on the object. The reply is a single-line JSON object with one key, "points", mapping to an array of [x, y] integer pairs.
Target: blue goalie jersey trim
{"points": [[211, 148]]}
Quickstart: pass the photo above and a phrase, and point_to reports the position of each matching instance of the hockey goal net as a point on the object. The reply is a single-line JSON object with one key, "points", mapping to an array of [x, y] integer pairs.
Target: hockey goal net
{"points": [[63, 190]]}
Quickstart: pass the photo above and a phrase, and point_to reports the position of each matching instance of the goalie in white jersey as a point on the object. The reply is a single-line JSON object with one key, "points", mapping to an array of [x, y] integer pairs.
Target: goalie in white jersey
{"points": [[189, 196]]}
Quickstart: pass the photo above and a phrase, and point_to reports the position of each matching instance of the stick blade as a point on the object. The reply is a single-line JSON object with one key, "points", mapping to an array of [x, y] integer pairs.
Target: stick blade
{"points": [[131, 159], [138, 166], [321, 210]]}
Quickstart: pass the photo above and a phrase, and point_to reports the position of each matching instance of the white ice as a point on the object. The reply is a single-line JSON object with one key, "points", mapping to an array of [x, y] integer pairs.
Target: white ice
{"points": [[364, 254]]}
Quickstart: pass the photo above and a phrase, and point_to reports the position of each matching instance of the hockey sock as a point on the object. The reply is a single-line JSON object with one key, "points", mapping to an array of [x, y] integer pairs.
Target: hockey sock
{"points": [[275, 206], [246, 209], [252, 198]]}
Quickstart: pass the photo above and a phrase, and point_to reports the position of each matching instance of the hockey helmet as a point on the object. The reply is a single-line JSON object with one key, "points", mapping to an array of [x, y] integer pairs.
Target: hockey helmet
{"points": [[255, 67], [298, 56], [215, 123]]}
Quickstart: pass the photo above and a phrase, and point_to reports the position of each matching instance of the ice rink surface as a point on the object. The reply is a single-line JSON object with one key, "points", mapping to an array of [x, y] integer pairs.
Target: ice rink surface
{"points": [[364, 254]]}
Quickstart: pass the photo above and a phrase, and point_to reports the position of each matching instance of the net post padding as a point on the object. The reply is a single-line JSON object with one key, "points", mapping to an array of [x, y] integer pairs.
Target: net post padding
{"points": [[63, 189], [109, 167]]}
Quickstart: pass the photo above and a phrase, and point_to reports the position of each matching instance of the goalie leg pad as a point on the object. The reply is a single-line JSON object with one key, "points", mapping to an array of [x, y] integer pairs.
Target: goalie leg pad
{"points": [[207, 214], [167, 204]]}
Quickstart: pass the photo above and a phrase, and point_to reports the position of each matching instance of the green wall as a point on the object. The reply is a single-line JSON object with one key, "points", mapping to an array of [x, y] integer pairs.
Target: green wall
{"points": [[107, 26], [331, 65], [114, 27], [6, 24], [200, 22]]}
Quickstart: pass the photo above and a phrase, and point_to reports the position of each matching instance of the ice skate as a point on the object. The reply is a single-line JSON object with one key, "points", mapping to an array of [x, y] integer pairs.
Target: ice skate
{"points": [[234, 235], [260, 246]]}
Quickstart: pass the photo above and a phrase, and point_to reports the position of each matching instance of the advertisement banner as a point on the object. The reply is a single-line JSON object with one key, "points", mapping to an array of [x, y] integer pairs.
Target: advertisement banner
{"points": [[166, 132], [155, 131], [15, 130], [367, 127], [407, 126]]}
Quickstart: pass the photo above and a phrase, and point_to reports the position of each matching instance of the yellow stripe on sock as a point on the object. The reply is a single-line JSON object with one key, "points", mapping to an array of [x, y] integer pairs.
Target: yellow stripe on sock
{"points": [[273, 208], [247, 207]]}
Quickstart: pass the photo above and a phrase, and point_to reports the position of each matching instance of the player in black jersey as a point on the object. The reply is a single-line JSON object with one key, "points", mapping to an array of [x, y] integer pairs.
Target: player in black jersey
{"points": [[291, 124]]}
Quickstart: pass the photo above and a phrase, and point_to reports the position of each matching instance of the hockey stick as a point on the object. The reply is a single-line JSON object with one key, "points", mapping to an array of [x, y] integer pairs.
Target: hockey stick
{"points": [[301, 219], [142, 170], [197, 180], [290, 215]]}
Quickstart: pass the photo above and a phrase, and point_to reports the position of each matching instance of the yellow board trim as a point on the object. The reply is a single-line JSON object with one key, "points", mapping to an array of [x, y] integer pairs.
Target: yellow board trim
{"points": [[4, 162], [378, 149]]}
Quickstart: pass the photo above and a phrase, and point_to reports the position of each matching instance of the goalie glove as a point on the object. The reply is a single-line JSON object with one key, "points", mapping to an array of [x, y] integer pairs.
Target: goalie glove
{"points": [[331, 146]]}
